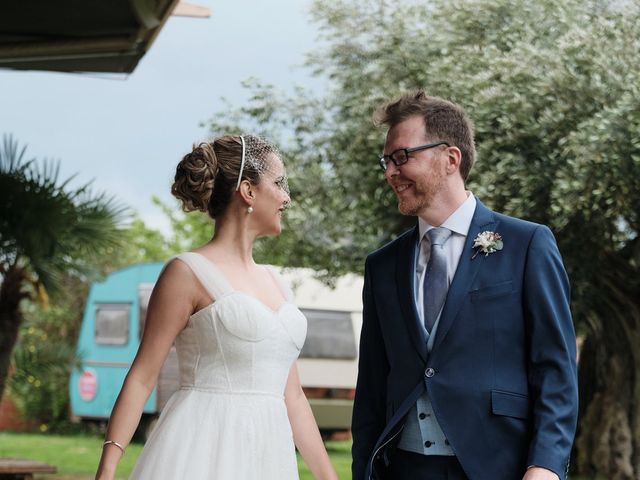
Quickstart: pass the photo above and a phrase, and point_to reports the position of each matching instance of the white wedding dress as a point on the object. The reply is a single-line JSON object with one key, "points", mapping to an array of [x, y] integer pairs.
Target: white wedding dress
{"points": [[228, 420]]}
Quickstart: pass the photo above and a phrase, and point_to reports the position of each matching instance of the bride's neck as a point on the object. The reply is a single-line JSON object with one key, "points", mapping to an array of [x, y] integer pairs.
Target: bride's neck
{"points": [[234, 241]]}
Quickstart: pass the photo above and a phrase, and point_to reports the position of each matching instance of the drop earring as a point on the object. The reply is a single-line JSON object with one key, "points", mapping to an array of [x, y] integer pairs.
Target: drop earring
{"points": [[250, 210]]}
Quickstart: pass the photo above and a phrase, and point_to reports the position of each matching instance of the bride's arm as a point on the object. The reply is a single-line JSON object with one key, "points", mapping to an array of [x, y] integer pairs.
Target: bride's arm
{"points": [[305, 430], [169, 308]]}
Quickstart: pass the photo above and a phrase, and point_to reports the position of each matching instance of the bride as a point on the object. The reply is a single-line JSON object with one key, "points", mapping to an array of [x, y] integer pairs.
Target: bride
{"points": [[240, 407]]}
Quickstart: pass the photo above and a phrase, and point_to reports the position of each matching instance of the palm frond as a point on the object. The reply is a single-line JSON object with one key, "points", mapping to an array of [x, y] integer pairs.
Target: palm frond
{"points": [[12, 157], [55, 227]]}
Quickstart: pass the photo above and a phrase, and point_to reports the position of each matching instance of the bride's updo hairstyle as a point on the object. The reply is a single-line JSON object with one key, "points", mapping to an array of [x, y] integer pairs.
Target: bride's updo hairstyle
{"points": [[207, 176]]}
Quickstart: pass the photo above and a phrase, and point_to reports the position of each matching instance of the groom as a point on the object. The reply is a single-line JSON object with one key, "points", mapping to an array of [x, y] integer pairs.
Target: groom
{"points": [[467, 354]]}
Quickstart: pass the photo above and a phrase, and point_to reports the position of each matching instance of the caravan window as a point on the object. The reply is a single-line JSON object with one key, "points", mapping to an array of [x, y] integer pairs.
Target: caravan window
{"points": [[329, 335], [112, 324]]}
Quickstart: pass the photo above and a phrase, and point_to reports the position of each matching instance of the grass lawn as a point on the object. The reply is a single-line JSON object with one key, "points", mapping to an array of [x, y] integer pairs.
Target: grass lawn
{"points": [[76, 457]]}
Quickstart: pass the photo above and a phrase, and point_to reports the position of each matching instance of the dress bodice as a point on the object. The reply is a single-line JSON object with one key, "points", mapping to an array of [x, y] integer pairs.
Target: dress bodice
{"points": [[238, 344]]}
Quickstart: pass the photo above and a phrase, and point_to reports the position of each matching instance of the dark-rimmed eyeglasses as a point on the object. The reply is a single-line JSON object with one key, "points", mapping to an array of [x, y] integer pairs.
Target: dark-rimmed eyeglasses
{"points": [[401, 156]]}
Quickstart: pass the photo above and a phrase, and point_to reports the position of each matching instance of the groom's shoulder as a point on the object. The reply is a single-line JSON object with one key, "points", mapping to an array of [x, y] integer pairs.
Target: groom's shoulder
{"points": [[485, 215], [390, 250], [515, 222], [523, 231], [526, 227]]}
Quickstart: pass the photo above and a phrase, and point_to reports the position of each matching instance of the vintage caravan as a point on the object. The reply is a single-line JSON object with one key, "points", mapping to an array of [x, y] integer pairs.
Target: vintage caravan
{"points": [[114, 319]]}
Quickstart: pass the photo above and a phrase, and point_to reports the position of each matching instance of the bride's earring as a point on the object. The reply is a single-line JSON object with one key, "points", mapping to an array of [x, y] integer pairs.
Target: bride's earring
{"points": [[250, 210]]}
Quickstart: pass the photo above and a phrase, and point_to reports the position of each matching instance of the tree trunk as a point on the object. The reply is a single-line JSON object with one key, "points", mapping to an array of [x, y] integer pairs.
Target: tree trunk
{"points": [[608, 440], [11, 294]]}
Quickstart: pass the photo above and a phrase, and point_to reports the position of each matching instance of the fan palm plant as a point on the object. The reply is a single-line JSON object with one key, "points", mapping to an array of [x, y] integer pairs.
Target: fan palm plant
{"points": [[48, 229]]}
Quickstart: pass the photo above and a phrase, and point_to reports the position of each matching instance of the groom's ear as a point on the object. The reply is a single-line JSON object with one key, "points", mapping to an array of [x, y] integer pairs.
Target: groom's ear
{"points": [[454, 157]]}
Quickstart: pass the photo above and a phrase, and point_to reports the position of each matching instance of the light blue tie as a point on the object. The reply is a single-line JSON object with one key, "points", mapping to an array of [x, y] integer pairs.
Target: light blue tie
{"points": [[435, 280]]}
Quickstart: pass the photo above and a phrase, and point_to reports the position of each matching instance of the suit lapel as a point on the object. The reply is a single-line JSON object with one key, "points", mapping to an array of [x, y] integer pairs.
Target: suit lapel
{"points": [[405, 278], [483, 219]]}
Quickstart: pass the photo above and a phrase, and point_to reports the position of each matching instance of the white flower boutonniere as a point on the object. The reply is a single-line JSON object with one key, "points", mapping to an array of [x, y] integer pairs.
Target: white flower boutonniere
{"points": [[487, 242]]}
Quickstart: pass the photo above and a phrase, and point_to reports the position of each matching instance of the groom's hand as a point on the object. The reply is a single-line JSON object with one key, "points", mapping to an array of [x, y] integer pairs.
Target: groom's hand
{"points": [[539, 473]]}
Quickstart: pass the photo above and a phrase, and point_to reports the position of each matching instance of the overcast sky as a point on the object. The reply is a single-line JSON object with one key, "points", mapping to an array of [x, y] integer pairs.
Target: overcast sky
{"points": [[127, 134]]}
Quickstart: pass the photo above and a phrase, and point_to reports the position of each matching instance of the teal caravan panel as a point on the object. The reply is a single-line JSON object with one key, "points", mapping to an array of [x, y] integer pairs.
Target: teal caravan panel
{"points": [[109, 339]]}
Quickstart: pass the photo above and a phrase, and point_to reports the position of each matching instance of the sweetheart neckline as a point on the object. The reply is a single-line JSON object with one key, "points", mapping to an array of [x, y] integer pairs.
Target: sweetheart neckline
{"points": [[275, 312]]}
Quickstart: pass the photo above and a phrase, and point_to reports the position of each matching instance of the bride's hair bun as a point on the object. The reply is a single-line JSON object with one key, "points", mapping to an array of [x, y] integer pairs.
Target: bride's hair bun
{"points": [[195, 178], [207, 178]]}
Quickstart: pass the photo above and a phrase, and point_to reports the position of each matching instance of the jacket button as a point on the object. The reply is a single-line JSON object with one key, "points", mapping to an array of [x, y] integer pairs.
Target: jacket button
{"points": [[428, 443], [422, 416], [429, 372]]}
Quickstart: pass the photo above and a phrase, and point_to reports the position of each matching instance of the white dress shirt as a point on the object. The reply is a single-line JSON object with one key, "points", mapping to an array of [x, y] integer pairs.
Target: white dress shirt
{"points": [[459, 223]]}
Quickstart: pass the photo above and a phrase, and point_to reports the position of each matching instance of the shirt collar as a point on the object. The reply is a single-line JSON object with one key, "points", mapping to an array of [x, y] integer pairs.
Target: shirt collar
{"points": [[458, 222]]}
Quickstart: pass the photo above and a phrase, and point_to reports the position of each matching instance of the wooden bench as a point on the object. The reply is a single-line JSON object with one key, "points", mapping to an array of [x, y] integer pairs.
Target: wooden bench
{"points": [[22, 469]]}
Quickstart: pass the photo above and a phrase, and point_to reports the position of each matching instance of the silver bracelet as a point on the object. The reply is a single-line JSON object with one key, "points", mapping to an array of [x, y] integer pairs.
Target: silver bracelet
{"points": [[112, 442]]}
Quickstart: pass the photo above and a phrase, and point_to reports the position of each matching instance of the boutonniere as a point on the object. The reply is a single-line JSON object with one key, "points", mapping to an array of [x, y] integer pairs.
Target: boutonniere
{"points": [[487, 242]]}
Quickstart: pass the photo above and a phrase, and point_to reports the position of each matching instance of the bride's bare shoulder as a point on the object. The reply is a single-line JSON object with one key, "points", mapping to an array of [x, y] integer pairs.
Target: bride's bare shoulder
{"points": [[176, 273]]}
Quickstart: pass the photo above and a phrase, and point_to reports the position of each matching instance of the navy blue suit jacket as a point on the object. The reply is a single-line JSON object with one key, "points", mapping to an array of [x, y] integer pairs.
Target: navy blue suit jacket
{"points": [[502, 372]]}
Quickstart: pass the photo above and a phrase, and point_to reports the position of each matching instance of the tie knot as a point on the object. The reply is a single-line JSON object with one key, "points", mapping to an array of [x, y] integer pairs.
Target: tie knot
{"points": [[439, 235]]}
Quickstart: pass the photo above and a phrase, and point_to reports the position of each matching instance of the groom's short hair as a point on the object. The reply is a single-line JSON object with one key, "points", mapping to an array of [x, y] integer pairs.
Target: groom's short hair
{"points": [[444, 121]]}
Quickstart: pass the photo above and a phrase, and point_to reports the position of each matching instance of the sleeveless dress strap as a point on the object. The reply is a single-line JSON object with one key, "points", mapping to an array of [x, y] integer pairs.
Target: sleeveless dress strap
{"points": [[282, 283], [210, 276]]}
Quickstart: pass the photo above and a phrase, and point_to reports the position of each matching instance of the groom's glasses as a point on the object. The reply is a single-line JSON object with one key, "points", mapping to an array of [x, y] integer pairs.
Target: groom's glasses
{"points": [[401, 156]]}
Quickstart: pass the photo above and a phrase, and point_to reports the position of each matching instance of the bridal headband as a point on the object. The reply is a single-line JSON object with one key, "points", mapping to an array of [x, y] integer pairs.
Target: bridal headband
{"points": [[241, 162]]}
